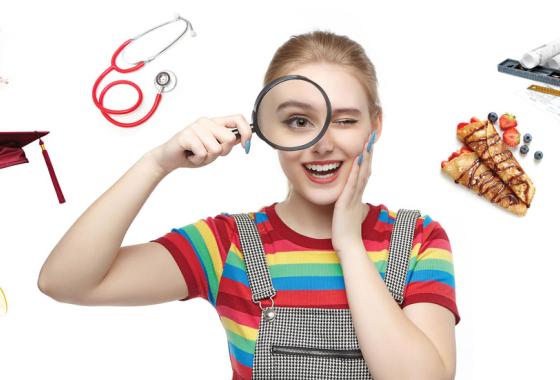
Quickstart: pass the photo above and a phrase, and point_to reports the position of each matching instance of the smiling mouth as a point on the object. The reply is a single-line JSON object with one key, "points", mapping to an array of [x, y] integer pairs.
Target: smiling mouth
{"points": [[323, 171]]}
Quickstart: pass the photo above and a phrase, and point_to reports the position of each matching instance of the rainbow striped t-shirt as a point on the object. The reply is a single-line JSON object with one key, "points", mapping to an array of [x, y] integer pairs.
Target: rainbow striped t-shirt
{"points": [[305, 271]]}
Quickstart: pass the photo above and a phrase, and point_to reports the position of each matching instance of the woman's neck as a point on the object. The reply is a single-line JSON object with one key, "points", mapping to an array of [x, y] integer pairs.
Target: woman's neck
{"points": [[307, 218]]}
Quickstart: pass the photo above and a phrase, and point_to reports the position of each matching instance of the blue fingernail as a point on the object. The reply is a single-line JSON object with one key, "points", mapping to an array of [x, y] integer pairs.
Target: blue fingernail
{"points": [[247, 146], [360, 159], [371, 140]]}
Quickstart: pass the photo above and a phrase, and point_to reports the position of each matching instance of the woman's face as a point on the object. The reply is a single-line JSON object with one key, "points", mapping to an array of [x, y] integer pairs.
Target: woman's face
{"points": [[351, 126]]}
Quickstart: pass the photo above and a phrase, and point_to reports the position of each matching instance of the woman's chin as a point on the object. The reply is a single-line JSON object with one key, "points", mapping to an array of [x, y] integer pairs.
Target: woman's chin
{"points": [[322, 196]]}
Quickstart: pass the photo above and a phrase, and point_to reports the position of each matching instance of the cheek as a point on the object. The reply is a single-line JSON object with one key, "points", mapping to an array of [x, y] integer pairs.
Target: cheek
{"points": [[351, 142], [290, 162]]}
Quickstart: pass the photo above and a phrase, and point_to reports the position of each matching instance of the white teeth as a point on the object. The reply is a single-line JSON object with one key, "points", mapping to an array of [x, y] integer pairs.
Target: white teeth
{"points": [[323, 168], [322, 175]]}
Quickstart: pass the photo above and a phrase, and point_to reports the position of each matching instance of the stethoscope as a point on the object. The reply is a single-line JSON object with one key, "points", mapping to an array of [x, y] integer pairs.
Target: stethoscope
{"points": [[164, 81]]}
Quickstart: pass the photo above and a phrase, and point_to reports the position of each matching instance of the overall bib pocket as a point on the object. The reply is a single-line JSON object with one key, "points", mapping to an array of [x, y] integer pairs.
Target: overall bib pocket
{"points": [[317, 352], [308, 343]]}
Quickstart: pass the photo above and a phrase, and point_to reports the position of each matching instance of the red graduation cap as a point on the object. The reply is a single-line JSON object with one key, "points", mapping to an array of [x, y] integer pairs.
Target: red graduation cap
{"points": [[11, 153]]}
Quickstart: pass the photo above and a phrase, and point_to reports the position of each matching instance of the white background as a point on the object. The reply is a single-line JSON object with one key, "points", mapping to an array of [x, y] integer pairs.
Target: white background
{"points": [[436, 63]]}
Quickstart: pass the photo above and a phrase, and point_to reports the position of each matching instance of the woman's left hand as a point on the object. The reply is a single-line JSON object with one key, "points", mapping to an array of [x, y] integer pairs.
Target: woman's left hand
{"points": [[348, 209]]}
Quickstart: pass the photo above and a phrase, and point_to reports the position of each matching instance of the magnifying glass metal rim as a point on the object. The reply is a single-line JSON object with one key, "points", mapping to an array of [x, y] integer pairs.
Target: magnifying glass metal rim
{"points": [[255, 125], [271, 85]]}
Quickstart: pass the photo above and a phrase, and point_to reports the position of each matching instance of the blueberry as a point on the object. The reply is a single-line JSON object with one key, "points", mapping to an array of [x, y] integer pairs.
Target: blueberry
{"points": [[493, 117], [527, 138], [524, 149], [538, 155]]}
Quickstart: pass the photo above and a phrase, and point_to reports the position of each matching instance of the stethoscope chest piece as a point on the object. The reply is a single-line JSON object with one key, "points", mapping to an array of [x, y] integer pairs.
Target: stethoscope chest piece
{"points": [[165, 81]]}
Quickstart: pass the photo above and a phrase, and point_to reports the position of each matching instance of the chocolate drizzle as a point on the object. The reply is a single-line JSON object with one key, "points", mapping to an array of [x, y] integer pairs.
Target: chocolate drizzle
{"points": [[487, 182], [498, 162]]}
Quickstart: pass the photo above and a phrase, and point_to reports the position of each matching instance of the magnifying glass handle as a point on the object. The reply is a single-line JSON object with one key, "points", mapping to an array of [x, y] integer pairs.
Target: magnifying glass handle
{"points": [[235, 131]]}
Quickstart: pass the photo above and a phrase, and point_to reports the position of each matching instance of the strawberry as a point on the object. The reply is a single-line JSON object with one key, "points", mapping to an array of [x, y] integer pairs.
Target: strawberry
{"points": [[474, 120], [465, 149], [511, 136], [461, 125], [443, 163], [507, 120], [452, 156]]}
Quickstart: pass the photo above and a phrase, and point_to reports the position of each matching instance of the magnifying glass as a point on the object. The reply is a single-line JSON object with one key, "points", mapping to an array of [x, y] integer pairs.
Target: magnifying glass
{"points": [[291, 113]]}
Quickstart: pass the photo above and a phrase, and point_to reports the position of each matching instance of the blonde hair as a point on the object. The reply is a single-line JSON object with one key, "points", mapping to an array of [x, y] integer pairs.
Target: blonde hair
{"points": [[323, 46]]}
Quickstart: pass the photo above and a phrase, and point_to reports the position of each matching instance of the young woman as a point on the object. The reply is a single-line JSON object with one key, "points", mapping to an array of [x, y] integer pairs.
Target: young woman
{"points": [[324, 246]]}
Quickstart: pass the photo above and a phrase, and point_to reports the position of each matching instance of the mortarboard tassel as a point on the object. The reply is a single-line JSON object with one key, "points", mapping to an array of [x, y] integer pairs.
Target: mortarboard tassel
{"points": [[52, 173]]}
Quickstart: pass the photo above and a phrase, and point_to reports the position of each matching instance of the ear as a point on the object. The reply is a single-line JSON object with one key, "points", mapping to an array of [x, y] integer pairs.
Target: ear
{"points": [[377, 124]]}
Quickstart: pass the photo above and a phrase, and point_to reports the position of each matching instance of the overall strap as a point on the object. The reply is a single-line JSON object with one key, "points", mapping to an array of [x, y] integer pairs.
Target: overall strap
{"points": [[254, 257], [400, 247]]}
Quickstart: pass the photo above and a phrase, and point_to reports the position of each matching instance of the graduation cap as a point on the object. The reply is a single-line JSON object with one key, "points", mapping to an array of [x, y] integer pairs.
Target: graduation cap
{"points": [[11, 153]]}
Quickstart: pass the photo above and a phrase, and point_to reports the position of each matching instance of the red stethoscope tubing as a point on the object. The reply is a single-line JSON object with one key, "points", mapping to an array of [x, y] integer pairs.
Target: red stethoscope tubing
{"points": [[107, 112]]}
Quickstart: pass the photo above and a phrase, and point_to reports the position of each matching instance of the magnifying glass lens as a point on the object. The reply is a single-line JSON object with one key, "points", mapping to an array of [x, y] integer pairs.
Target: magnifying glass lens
{"points": [[292, 113]]}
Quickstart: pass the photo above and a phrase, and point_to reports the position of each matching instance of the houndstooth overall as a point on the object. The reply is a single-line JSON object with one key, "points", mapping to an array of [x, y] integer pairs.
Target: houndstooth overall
{"points": [[314, 343]]}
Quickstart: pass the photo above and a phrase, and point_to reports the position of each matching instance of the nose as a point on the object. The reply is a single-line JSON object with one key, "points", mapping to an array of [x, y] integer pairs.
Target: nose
{"points": [[325, 143]]}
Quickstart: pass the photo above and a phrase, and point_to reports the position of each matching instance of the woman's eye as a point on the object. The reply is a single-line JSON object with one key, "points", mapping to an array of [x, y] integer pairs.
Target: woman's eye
{"points": [[346, 122], [298, 122]]}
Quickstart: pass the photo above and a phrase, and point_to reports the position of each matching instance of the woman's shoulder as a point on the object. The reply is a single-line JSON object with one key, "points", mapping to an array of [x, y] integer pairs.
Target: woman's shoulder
{"points": [[426, 226], [226, 220], [259, 214]]}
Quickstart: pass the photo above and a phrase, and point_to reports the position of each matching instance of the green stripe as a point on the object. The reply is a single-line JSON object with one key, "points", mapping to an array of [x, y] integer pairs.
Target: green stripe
{"points": [[202, 251], [235, 261], [303, 270], [241, 342], [434, 264]]}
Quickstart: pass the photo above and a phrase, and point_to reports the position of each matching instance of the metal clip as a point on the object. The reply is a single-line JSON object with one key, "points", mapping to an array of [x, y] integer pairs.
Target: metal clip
{"points": [[269, 312]]}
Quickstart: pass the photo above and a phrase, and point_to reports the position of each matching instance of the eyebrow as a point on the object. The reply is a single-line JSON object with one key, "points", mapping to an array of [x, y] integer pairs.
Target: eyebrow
{"points": [[293, 103], [348, 110], [352, 111]]}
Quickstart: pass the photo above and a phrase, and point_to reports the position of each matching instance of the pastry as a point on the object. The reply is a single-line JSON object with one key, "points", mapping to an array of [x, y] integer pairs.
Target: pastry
{"points": [[484, 140], [466, 168]]}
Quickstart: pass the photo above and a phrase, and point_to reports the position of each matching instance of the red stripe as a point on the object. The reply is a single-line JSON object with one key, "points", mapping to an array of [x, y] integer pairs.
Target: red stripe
{"points": [[190, 281], [436, 243], [434, 298], [239, 303], [186, 257], [332, 299], [240, 371], [430, 287]]}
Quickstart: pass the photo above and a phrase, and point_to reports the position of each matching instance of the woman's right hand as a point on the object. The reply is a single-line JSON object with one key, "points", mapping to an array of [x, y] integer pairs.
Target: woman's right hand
{"points": [[206, 138]]}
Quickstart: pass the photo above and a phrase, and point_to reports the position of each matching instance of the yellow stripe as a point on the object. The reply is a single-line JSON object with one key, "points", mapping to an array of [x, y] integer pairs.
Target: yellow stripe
{"points": [[305, 257], [322, 257], [376, 256], [435, 253], [242, 330], [236, 251], [212, 247], [317, 257]]}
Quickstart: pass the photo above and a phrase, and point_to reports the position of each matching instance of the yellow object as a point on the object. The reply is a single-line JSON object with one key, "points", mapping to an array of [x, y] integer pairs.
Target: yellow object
{"points": [[3, 303], [544, 90]]}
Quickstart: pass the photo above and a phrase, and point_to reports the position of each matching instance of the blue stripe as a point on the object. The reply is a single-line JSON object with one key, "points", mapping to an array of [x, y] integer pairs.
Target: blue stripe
{"points": [[385, 218], [433, 275], [186, 236], [309, 283], [427, 220], [260, 217], [233, 273], [243, 357]]}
